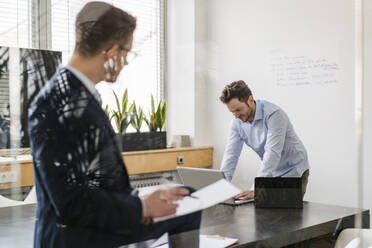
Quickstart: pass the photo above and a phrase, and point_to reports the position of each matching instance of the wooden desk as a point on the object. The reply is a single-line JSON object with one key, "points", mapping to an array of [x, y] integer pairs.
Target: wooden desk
{"points": [[253, 227], [136, 162], [257, 227]]}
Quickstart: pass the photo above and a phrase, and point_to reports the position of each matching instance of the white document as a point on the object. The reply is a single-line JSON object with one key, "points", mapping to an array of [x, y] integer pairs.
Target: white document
{"points": [[206, 241], [204, 198], [215, 241], [145, 191], [163, 240]]}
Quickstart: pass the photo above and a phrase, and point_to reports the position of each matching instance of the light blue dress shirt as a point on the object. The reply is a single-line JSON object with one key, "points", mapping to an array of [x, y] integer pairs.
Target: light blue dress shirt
{"points": [[272, 137]]}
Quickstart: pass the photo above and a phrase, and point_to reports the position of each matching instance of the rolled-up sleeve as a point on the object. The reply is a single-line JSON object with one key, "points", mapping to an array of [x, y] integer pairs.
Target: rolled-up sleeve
{"points": [[232, 151]]}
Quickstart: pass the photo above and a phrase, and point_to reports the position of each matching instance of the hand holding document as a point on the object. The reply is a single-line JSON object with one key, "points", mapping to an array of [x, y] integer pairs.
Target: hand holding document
{"points": [[204, 198]]}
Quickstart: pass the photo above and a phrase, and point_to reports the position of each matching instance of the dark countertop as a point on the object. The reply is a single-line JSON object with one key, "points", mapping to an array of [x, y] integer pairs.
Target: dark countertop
{"points": [[252, 226]]}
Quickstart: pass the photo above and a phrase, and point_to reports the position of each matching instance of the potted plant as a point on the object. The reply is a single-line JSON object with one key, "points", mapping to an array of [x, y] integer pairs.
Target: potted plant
{"points": [[157, 116], [137, 117], [125, 116], [155, 139], [121, 115], [156, 122]]}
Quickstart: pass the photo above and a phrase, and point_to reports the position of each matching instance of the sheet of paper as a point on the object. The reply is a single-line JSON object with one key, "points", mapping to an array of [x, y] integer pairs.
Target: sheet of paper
{"points": [[206, 197], [207, 241], [144, 191], [215, 241], [163, 240]]}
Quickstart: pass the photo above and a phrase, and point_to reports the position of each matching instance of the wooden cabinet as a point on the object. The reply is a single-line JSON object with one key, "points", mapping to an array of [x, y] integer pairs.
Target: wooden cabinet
{"points": [[22, 170], [136, 162], [167, 159]]}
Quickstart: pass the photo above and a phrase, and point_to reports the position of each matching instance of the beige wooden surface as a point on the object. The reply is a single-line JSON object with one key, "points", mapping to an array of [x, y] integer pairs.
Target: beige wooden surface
{"points": [[136, 162], [166, 160], [24, 172]]}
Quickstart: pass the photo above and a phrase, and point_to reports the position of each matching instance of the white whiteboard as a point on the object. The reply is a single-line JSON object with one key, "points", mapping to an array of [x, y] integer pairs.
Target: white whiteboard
{"points": [[298, 54]]}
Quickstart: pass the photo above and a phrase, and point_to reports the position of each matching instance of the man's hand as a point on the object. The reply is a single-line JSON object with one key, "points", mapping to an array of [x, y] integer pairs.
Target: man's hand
{"points": [[245, 195], [161, 202]]}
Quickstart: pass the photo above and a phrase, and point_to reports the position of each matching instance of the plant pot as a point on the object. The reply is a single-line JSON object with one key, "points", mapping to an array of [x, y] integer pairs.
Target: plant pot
{"points": [[144, 141]]}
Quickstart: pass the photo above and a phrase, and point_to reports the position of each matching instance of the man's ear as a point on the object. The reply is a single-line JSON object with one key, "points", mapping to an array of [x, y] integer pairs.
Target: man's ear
{"points": [[111, 52], [250, 99]]}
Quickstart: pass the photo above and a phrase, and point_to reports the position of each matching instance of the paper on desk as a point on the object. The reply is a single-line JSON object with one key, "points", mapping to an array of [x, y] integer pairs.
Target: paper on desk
{"points": [[206, 197], [206, 241], [215, 241], [163, 240]]}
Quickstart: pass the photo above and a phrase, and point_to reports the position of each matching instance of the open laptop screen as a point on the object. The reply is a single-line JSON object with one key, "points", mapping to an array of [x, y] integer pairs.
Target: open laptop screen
{"points": [[278, 192], [198, 178]]}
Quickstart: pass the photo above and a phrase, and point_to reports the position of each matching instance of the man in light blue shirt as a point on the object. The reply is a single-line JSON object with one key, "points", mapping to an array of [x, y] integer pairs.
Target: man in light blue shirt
{"points": [[266, 129]]}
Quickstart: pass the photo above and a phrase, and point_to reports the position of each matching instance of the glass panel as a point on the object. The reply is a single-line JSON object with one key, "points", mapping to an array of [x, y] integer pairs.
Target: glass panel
{"points": [[307, 64], [26, 26], [148, 42]]}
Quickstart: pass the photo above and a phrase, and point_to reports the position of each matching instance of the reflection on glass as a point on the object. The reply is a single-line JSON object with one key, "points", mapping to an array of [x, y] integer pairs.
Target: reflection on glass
{"points": [[36, 67], [4, 99]]}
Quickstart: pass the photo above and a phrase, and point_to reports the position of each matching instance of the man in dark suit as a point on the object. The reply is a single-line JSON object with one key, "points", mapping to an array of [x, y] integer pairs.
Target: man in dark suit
{"points": [[83, 191]]}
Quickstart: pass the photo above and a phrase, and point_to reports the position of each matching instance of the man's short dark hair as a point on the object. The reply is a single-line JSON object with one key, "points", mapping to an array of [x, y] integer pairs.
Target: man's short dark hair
{"points": [[101, 25], [237, 89]]}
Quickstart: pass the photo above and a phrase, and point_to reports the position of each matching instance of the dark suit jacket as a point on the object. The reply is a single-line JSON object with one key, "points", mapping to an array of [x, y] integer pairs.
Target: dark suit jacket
{"points": [[83, 191]]}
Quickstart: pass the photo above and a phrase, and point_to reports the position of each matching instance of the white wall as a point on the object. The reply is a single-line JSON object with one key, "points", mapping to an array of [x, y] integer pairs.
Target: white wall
{"points": [[367, 110], [202, 76], [180, 79], [186, 80], [231, 41]]}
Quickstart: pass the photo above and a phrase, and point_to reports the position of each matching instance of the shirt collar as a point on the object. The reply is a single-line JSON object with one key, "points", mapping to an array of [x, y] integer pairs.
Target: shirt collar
{"points": [[87, 82], [258, 115]]}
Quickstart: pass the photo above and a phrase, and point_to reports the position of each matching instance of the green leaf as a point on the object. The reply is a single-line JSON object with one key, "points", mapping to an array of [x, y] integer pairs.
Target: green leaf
{"points": [[141, 115], [123, 127], [125, 94], [147, 121], [121, 116], [133, 106], [156, 117], [117, 121], [107, 111], [117, 101], [152, 104], [112, 115], [140, 120], [163, 115]]}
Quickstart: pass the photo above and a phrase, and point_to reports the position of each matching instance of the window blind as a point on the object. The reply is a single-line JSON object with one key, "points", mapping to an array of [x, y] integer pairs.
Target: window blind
{"points": [[15, 23], [49, 24], [15, 31], [144, 76]]}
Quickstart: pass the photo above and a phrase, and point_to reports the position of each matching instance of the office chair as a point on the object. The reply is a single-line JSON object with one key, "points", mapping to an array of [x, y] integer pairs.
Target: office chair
{"points": [[354, 238]]}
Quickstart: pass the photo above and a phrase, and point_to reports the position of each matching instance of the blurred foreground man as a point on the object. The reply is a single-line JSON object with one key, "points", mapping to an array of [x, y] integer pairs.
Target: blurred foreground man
{"points": [[83, 191]]}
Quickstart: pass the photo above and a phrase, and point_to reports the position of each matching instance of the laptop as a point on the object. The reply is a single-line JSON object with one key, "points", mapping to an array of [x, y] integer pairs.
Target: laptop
{"points": [[278, 192], [200, 177]]}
